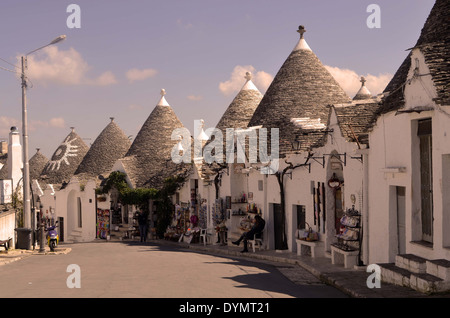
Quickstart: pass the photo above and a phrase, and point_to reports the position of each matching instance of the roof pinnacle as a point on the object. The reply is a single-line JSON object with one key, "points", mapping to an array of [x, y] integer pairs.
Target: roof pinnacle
{"points": [[301, 45], [363, 81], [249, 84], [301, 30], [162, 101], [363, 92]]}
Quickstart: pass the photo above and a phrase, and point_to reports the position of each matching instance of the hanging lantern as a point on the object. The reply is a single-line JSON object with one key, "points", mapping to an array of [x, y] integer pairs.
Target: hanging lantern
{"points": [[334, 182]]}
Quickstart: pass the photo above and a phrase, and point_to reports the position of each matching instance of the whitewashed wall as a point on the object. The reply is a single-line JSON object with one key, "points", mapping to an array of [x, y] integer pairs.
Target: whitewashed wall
{"points": [[7, 226], [394, 162]]}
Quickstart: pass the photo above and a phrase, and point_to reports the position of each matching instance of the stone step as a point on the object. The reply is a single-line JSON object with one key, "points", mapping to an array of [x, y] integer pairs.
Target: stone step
{"points": [[411, 262], [439, 268], [390, 273], [427, 283], [423, 282]]}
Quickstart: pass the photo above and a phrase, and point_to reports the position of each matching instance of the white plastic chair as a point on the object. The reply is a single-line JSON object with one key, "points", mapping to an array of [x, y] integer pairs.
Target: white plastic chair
{"points": [[257, 241], [203, 236]]}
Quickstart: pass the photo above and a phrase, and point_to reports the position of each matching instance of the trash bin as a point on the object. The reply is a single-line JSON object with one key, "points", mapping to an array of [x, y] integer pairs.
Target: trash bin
{"points": [[23, 238]]}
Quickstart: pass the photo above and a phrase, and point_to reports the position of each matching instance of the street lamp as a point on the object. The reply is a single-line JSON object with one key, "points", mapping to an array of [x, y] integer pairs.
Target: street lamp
{"points": [[26, 168]]}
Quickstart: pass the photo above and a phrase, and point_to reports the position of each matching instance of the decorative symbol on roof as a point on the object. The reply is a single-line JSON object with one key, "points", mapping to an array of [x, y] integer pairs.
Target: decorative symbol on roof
{"points": [[163, 92], [62, 154], [248, 76]]}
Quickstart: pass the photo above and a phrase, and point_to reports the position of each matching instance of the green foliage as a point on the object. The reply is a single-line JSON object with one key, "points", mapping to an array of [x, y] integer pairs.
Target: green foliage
{"points": [[165, 206], [141, 196], [117, 180]]}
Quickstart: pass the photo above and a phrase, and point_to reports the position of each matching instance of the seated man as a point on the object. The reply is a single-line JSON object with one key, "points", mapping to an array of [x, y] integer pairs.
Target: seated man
{"points": [[257, 228]]}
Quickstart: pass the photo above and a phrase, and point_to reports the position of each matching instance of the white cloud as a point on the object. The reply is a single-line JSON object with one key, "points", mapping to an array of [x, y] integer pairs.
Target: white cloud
{"points": [[184, 25], [107, 78], [140, 75], [134, 107], [350, 80], [7, 122], [5, 125], [261, 79], [52, 65], [57, 122], [195, 97]]}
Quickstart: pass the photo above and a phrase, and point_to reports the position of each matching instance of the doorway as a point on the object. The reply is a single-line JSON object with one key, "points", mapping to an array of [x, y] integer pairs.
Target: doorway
{"points": [[278, 226], [301, 216], [401, 220], [61, 228], [424, 133]]}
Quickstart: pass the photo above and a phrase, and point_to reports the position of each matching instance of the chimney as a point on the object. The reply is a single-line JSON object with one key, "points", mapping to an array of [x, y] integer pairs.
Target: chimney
{"points": [[15, 161]]}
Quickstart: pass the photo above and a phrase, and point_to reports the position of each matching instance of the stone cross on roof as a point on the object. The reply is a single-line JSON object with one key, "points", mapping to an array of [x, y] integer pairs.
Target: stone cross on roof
{"points": [[363, 81], [301, 30]]}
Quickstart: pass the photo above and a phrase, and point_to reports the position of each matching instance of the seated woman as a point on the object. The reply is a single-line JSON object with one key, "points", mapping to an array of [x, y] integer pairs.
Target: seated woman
{"points": [[257, 228]]}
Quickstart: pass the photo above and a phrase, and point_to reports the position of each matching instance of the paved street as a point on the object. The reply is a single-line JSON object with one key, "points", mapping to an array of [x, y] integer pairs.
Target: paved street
{"points": [[116, 269]]}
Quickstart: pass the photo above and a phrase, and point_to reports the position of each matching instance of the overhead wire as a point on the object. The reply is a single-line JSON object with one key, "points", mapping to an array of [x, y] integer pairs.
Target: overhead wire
{"points": [[9, 63]]}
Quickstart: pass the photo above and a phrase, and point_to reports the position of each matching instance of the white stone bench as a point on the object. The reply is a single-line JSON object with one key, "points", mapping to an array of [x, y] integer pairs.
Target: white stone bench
{"points": [[348, 258], [314, 248]]}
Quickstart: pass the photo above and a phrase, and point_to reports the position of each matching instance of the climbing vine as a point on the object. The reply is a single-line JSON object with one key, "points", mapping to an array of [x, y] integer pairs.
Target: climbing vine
{"points": [[142, 196]]}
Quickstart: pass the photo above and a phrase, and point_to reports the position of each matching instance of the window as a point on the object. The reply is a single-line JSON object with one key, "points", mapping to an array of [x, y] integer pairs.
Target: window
{"points": [[80, 215]]}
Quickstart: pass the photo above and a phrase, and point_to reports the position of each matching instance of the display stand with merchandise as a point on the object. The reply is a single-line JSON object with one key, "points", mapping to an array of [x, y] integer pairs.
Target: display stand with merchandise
{"points": [[347, 250]]}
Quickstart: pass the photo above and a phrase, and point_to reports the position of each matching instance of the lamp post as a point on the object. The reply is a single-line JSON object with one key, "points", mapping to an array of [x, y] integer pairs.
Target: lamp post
{"points": [[26, 168]]}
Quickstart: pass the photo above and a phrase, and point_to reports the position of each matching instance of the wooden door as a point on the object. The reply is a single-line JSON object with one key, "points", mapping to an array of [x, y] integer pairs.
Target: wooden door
{"points": [[426, 179]]}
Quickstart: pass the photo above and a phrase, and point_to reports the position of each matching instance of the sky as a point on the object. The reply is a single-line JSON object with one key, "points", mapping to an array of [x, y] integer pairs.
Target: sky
{"points": [[124, 52]]}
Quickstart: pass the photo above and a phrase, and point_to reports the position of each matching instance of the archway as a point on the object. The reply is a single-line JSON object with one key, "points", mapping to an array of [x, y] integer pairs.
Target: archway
{"points": [[72, 220]]}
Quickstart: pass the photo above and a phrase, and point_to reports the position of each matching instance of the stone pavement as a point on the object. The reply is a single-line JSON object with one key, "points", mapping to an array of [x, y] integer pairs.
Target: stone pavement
{"points": [[350, 281], [17, 254]]}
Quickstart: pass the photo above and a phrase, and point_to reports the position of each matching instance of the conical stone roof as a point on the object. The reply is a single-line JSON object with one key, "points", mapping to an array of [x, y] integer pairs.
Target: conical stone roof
{"points": [[65, 160], [434, 43], [240, 111], [146, 162], [302, 89], [242, 108], [37, 164], [111, 145]]}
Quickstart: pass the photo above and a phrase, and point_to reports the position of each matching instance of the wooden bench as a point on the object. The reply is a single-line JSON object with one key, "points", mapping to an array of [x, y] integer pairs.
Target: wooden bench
{"points": [[5, 244], [348, 258], [313, 248]]}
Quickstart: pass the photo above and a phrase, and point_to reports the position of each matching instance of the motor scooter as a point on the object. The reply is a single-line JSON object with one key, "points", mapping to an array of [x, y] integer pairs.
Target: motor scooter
{"points": [[52, 237]]}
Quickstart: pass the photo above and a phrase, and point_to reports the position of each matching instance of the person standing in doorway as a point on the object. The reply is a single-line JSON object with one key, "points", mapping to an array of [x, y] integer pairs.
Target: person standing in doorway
{"points": [[142, 220]]}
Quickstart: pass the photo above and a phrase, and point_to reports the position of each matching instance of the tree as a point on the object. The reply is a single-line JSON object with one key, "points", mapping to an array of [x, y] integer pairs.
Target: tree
{"points": [[280, 178]]}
